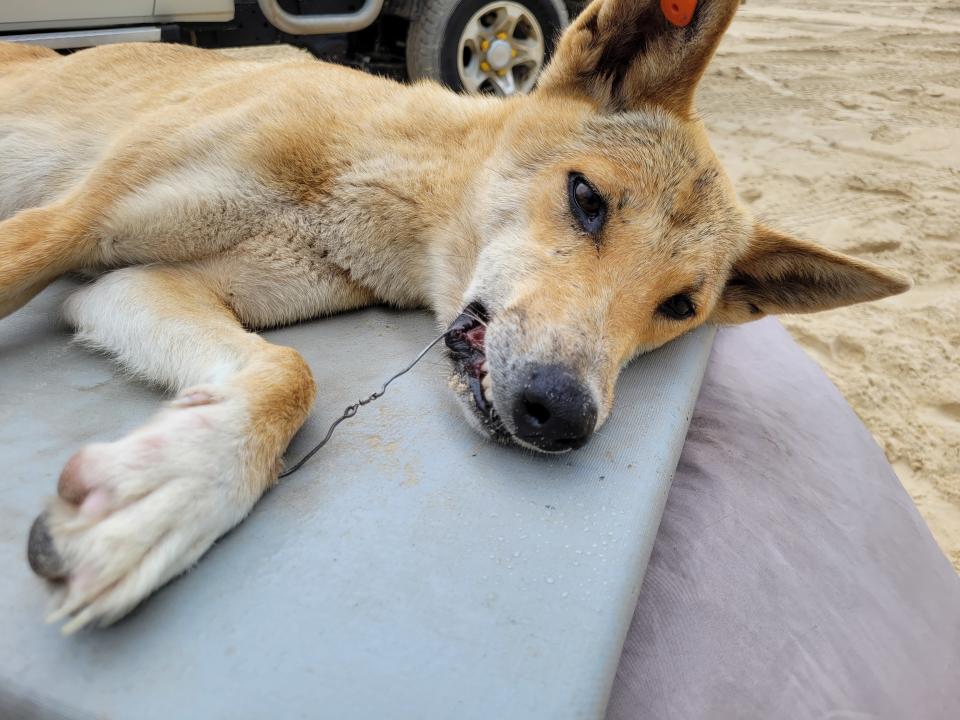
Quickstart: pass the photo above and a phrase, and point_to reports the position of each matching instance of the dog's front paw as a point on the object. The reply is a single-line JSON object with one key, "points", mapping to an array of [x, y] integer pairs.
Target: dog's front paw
{"points": [[132, 514]]}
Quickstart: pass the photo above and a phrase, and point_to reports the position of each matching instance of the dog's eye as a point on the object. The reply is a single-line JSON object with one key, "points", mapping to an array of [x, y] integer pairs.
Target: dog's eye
{"points": [[586, 204], [679, 307]]}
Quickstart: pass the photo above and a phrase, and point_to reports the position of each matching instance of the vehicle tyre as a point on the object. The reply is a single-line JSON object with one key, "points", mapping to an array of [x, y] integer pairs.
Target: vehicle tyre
{"points": [[483, 46]]}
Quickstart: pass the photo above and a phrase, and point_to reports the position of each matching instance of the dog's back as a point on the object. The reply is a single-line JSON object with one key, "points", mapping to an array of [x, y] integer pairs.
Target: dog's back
{"points": [[60, 113], [15, 53]]}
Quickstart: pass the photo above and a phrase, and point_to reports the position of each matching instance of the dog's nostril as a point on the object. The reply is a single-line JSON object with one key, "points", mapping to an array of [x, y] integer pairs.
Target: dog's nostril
{"points": [[536, 412]]}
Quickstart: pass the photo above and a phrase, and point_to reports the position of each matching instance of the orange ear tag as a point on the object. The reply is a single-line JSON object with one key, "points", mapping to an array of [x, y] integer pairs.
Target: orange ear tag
{"points": [[678, 12]]}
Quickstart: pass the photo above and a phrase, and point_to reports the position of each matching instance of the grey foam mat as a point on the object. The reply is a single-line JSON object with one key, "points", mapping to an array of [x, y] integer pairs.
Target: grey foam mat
{"points": [[412, 569]]}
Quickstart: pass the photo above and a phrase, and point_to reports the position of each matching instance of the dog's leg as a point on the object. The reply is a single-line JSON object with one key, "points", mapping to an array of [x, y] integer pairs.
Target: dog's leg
{"points": [[36, 246], [134, 513]]}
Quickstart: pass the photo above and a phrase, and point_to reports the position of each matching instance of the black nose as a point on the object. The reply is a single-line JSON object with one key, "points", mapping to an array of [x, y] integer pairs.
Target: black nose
{"points": [[553, 410]]}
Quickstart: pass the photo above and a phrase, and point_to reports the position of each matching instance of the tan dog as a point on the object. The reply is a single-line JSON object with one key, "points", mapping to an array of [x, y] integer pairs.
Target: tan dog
{"points": [[562, 234]]}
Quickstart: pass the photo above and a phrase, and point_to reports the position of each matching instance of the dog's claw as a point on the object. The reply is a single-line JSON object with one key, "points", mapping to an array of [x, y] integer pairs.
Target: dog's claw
{"points": [[42, 554]]}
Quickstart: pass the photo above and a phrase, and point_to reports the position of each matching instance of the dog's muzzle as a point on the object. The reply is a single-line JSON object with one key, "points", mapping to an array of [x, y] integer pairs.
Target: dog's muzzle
{"points": [[546, 405]]}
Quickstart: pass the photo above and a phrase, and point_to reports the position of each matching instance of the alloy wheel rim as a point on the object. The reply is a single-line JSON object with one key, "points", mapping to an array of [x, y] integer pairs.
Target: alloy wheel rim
{"points": [[501, 50]]}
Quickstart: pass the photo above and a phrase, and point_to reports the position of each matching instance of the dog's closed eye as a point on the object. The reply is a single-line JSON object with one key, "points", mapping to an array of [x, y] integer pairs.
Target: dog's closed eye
{"points": [[678, 307], [587, 205]]}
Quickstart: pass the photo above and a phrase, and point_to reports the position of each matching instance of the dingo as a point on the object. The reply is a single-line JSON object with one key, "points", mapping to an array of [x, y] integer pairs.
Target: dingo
{"points": [[558, 235]]}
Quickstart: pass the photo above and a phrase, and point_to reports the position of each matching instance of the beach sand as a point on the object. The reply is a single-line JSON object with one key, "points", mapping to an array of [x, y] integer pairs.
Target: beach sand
{"points": [[841, 123]]}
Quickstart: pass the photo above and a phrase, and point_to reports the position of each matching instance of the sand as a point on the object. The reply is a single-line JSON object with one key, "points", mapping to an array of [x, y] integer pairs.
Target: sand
{"points": [[841, 123]]}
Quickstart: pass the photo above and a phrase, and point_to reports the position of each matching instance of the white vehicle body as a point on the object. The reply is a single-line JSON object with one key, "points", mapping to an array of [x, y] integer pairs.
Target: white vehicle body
{"points": [[42, 15]]}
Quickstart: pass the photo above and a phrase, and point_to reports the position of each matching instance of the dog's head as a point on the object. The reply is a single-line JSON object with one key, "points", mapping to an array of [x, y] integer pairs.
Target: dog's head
{"points": [[607, 228]]}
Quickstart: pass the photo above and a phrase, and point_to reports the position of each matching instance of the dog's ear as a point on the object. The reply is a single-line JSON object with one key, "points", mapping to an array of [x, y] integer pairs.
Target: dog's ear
{"points": [[781, 274], [624, 54]]}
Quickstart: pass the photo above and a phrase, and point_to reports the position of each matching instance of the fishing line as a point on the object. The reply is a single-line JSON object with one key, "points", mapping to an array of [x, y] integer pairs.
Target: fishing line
{"points": [[351, 410]]}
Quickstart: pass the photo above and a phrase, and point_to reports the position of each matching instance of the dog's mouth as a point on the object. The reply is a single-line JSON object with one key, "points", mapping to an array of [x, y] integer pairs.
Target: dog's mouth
{"points": [[466, 343]]}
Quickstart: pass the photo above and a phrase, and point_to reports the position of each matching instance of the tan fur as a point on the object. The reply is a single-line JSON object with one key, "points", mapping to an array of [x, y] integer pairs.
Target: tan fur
{"points": [[260, 194]]}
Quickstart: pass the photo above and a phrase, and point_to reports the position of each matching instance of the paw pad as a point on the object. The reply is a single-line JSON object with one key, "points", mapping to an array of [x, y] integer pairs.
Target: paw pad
{"points": [[190, 398]]}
